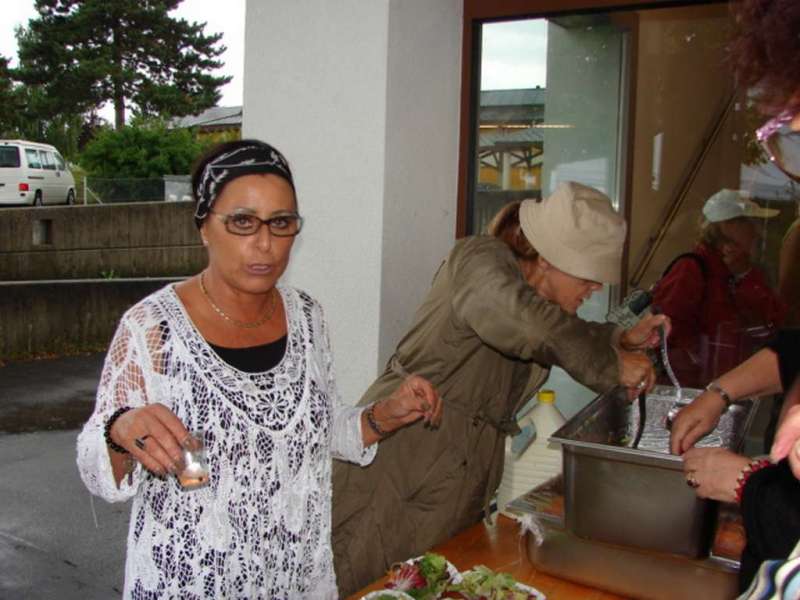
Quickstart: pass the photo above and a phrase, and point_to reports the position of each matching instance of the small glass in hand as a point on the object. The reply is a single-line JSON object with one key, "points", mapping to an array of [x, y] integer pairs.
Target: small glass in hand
{"points": [[195, 473]]}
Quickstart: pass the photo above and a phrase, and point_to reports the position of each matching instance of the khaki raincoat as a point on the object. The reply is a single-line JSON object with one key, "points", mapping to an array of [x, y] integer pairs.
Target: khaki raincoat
{"points": [[486, 340]]}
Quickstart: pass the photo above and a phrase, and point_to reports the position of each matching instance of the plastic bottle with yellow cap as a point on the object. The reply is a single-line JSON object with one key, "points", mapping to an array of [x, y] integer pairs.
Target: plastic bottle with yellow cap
{"points": [[530, 466]]}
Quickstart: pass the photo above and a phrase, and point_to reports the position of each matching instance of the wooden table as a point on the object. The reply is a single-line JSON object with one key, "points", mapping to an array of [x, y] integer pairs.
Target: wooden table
{"points": [[500, 548]]}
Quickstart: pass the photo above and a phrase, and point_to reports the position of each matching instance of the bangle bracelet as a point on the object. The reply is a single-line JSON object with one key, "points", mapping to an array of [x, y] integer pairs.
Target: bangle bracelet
{"points": [[107, 430], [373, 424], [744, 475], [715, 387]]}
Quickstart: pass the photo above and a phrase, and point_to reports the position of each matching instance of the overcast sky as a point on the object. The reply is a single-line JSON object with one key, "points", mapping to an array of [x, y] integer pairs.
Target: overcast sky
{"points": [[226, 17], [514, 55]]}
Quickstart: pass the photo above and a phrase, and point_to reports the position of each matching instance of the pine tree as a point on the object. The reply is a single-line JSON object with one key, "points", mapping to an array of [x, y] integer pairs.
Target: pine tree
{"points": [[132, 53], [7, 100]]}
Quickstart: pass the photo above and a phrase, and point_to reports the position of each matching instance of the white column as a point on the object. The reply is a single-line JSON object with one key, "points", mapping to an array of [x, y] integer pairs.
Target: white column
{"points": [[363, 98]]}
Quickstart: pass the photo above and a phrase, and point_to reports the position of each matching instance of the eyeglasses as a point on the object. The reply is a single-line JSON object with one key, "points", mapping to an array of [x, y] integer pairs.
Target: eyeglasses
{"points": [[781, 144], [285, 225]]}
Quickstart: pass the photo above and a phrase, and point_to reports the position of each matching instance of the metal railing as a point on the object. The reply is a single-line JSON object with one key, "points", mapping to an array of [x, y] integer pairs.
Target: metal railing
{"points": [[99, 190]]}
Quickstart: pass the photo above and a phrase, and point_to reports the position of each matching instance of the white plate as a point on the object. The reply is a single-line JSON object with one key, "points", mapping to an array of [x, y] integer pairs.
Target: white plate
{"points": [[387, 592], [531, 590]]}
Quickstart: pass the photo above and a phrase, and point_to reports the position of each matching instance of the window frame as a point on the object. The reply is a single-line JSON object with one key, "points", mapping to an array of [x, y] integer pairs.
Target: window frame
{"points": [[33, 152], [47, 160], [19, 158], [61, 164]]}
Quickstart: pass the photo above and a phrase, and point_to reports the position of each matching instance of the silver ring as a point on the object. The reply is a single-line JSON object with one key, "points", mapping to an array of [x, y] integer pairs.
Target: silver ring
{"points": [[641, 384], [691, 481], [140, 441]]}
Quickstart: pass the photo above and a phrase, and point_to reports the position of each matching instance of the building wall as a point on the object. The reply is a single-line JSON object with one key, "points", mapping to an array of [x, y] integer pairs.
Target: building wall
{"points": [[421, 164], [363, 98], [584, 71]]}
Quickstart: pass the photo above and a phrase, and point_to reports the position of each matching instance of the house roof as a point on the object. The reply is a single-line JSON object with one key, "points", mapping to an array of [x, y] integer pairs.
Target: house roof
{"points": [[520, 138], [508, 106], [512, 107], [216, 117], [518, 97]]}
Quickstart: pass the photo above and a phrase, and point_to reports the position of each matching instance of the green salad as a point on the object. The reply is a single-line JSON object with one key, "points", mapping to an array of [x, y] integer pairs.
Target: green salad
{"points": [[484, 584], [428, 578], [422, 579]]}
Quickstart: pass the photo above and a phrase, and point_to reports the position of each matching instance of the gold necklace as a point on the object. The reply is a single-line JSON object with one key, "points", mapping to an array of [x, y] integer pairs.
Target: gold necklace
{"points": [[251, 325]]}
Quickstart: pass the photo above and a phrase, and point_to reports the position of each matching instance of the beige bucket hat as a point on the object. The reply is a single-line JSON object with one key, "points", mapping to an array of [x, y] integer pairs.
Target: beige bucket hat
{"points": [[576, 230]]}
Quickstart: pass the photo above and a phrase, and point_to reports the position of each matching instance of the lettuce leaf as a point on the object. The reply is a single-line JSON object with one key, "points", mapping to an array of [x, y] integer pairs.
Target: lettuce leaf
{"points": [[482, 582]]}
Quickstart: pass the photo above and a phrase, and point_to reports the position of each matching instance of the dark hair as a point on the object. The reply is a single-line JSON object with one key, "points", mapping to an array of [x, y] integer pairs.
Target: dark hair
{"points": [[505, 226], [226, 147], [711, 234], [765, 52]]}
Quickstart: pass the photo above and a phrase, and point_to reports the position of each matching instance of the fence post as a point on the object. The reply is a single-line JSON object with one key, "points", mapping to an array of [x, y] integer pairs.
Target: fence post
{"points": [[85, 185]]}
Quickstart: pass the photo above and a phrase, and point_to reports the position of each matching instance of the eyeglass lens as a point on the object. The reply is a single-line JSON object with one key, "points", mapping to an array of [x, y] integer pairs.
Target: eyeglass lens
{"points": [[784, 148], [280, 226]]}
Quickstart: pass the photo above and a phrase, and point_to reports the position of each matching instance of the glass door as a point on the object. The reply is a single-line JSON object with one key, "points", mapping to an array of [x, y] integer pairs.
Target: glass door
{"points": [[552, 108], [639, 103]]}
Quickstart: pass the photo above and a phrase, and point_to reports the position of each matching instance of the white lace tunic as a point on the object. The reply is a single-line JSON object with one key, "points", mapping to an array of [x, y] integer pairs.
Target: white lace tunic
{"points": [[261, 528]]}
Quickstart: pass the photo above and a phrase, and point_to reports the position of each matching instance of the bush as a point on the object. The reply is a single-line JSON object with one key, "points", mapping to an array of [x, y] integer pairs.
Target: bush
{"points": [[141, 150]]}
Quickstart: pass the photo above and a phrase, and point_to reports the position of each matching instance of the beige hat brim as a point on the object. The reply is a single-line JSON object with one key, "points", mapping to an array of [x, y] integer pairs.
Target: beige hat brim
{"points": [[761, 213], [577, 231]]}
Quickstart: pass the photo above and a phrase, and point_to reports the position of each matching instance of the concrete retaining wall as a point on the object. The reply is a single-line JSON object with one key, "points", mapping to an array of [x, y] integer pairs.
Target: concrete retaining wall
{"points": [[61, 317], [154, 239], [68, 273]]}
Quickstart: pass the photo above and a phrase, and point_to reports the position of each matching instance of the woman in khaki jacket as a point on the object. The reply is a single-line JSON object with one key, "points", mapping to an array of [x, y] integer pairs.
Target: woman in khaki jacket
{"points": [[500, 313]]}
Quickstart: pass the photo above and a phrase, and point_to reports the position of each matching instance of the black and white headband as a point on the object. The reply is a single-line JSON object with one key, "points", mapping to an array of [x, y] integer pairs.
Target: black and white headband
{"points": [[253, 159]]}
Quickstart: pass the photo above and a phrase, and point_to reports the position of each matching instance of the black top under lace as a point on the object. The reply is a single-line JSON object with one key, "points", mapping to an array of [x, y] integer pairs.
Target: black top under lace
{"points": [[253, 359]]}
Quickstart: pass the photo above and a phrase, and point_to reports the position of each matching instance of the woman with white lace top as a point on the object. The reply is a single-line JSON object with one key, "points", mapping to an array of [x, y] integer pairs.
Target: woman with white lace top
{"points": [[245, 364]]}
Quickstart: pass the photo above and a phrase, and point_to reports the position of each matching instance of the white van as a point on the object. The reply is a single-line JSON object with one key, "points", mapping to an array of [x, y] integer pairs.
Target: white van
{"points": [[33, 173]]}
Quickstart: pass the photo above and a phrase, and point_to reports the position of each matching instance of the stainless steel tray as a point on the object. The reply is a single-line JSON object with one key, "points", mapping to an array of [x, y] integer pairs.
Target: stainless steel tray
{"points": [[638, 496]]}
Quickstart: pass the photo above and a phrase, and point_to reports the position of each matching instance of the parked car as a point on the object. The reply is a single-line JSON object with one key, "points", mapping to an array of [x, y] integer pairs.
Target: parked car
{"points": [[33, 173]]}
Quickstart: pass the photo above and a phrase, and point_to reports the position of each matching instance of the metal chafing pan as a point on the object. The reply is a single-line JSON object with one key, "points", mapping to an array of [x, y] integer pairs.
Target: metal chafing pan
{"points": [[638, 497]]}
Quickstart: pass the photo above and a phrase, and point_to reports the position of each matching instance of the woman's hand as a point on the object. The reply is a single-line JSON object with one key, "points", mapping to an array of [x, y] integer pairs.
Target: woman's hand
{"points": [[159, 433], [414, 399], [694, 421], [787, 438], [713, 472], [645, 334], [636, 373]]}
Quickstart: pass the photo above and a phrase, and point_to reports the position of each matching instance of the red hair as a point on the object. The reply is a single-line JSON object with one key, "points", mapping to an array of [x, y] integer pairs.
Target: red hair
{"points": [[765, 52]]}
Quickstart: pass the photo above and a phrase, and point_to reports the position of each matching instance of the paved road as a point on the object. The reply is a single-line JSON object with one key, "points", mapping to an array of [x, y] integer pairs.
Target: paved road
{"points": [[48, 395], [55, 541]]}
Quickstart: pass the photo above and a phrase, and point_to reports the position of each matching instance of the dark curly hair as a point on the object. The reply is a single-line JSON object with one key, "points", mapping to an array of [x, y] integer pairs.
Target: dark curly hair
{"points": [[765, 52]]}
